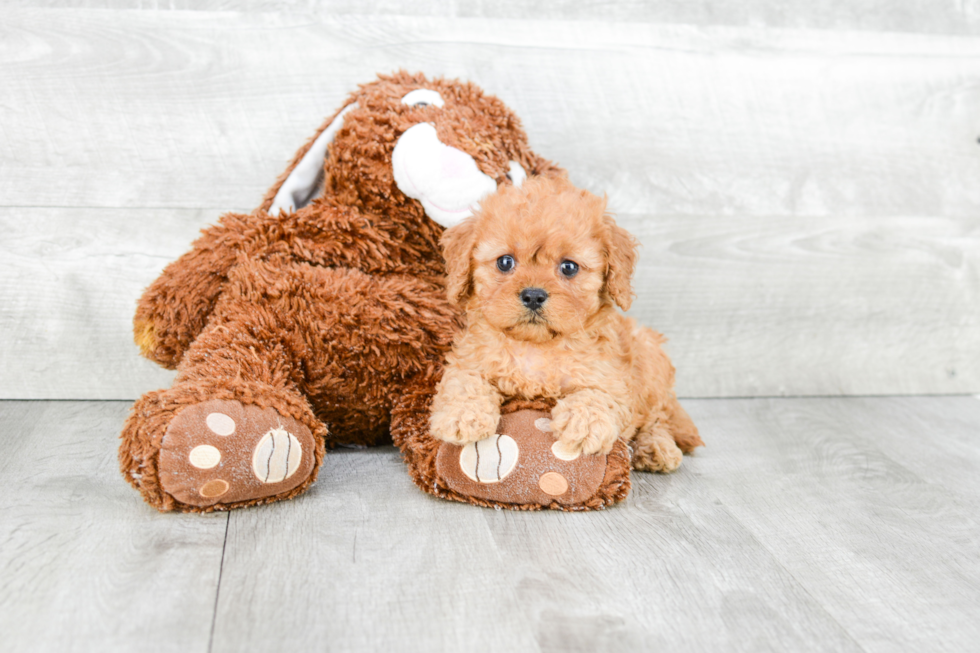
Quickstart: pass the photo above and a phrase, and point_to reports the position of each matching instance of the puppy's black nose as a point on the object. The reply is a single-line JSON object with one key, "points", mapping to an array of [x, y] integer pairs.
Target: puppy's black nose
{"points": [[534, 298]]}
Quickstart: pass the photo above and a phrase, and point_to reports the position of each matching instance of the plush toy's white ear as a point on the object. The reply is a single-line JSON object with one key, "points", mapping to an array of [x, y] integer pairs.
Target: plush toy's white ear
{"points": [[304, 183]]}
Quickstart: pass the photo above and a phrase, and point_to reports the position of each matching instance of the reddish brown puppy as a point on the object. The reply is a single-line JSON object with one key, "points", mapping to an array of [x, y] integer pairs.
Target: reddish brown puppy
{"points": [[321, 317], [540, 270]]}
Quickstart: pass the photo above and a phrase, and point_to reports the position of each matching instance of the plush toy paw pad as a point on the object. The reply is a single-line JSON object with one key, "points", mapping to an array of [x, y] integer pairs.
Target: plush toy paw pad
{"points": [[225, 451], [522, 464], [490, 460]]}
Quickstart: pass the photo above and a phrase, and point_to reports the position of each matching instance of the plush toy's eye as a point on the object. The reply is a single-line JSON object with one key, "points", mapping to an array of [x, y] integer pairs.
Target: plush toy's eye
{"points": [[506, 263], [422, 97], [568, 268]]}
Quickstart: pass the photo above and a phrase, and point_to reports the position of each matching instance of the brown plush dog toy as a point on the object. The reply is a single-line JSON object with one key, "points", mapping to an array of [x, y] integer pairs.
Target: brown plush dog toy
{"points": [[321, 319]]}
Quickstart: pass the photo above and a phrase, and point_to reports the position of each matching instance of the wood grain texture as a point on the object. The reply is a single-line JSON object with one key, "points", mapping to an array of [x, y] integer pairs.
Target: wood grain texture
{"points": [[71, 281], [795, 306], [194, 110], [755, 306], [850, 497], [806, 199], [931, 16], [84, 564], [843, 524], [804, 525]]}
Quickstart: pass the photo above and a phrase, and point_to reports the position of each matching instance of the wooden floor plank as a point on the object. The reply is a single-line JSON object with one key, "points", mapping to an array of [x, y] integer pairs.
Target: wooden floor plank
{"points": [[806, 524], [365, 561], [669, 570], [85, 565], [790, 531], [831, 489]]}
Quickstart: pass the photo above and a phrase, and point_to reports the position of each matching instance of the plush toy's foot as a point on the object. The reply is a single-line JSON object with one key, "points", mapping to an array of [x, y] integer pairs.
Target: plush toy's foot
{"points": [[222, 451], [186, 451], [524, 467]]}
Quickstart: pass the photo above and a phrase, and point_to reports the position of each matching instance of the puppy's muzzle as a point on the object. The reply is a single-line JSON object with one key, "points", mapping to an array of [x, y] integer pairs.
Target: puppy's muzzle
{"points": [[534, 298]]}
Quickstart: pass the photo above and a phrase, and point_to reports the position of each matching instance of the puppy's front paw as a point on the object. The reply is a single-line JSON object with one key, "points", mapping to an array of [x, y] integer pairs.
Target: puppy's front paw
{"points": [[464, 424], [584, 424]]}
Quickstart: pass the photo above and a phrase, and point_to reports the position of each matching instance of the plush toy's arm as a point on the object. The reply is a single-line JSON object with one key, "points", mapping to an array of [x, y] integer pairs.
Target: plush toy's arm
{"points": [[175, 307]]}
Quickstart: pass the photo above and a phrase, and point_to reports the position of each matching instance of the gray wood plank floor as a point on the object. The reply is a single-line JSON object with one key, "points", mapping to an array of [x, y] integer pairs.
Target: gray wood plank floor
{"points": [[806, 524]]}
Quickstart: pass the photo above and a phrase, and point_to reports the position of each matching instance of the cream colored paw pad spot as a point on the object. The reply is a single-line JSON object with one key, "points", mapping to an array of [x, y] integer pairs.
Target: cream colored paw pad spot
{"points": [[277, 456], [564, 451], [543, 424], [214, 488], [553, 483], [204, 456], [489, 460], [220, 423]]}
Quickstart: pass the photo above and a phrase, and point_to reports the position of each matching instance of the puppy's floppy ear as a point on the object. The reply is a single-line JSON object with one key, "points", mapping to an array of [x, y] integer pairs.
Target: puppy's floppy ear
{"points": [[457, 248], [620, 262], [540, 167]]}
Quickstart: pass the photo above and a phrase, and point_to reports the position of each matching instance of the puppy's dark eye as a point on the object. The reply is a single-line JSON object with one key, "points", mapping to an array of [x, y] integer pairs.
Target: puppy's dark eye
{"points": [[569, 268], [505, 263]]}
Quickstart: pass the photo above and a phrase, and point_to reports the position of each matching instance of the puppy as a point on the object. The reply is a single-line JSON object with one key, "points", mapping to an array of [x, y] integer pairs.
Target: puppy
{"points": [[539, 270]]}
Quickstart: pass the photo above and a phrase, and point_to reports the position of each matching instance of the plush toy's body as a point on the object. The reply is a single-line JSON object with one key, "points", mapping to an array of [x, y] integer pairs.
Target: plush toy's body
{"points": [[321, 318]]}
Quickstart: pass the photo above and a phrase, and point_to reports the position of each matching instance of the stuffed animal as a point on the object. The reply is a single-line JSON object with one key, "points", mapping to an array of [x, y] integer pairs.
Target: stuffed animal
{"points": [[321, 319]]}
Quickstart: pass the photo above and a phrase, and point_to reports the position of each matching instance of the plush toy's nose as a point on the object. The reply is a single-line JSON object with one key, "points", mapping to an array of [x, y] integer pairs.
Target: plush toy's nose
{"points": [[455, 163], [534, 298]]}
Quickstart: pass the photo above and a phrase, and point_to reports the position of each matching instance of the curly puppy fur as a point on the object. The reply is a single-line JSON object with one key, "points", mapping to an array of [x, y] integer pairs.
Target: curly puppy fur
{"points": [[609, 375]]}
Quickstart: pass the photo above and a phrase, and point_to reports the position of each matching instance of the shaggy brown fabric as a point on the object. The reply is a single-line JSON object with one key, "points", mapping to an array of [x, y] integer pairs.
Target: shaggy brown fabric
{"points": [[334, 315]]}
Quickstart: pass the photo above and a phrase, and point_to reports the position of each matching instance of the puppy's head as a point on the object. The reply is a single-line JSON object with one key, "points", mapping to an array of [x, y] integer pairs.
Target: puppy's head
{"points": [[540, 261]]}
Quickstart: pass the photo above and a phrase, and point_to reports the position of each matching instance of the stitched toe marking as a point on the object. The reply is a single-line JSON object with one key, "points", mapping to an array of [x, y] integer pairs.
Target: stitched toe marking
{"points": [[220, 423], [214, 488], [204, 456], [277, 456], [553, 483]]}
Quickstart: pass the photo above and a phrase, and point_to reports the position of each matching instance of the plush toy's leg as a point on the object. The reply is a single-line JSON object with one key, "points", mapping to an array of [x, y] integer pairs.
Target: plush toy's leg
{"points": [[232, 431], [518, 469]]}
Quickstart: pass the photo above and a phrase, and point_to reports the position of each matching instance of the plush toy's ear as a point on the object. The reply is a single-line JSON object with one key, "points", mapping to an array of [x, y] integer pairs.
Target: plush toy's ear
{"points": [[620, 262], [457, 248], [305, 181]]}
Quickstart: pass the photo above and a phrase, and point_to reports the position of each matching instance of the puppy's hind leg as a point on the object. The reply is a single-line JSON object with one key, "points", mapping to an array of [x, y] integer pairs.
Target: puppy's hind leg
{"points": [[682, 428], [654, 449]]}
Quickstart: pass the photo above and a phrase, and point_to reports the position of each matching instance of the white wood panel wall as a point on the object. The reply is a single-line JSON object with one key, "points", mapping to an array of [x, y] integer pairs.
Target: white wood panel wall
{"points": [[807, 198], [928, 16]]}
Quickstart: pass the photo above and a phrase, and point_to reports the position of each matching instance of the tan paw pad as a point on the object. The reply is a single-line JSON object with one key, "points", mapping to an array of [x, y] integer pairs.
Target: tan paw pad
{"points": [[204, 456], [564, 451], [490, 460], [220, 423], [553, 483], [277, 456], [214, 488]]}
